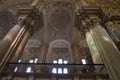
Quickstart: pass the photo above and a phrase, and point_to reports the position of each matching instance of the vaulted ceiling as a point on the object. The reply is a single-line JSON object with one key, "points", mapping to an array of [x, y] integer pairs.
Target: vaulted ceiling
{"points": [[58, 15]]}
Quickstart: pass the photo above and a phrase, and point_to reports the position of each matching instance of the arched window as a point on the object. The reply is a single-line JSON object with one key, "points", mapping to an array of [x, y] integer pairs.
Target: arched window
{"points": [[29, 68], [16, 68], [65, 71], [83, 61], [65, 62], [54, 70], [60, 70], [54, 61], [60, 61]]}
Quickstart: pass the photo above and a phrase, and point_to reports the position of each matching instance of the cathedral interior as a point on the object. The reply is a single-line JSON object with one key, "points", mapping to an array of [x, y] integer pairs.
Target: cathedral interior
{"points": [[59, 39]]}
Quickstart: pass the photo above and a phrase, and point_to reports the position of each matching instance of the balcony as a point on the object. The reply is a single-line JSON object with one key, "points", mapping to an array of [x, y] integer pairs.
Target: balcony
{"points": [[44, 70]]}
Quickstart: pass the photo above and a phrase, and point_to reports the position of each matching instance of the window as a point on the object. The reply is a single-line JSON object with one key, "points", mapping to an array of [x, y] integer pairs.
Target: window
{"points": [[36, 60], [16, 68], [65, 71], [30, 61], [83, 61], [60, 70], [19, 60], [29, 68], [54, 70], [65, 62], [60, 61], [54, 61]]}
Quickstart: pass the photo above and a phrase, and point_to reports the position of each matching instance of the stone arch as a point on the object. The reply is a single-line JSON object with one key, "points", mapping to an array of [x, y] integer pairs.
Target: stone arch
{"points": [[59, 40], [33, 43], [59, 49]]}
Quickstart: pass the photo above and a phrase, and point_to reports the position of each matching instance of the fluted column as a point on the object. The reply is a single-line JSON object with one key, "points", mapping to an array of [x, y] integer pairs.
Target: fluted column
{"points": [[8, 39], [21, 46], [27, 24], [109, 52]]}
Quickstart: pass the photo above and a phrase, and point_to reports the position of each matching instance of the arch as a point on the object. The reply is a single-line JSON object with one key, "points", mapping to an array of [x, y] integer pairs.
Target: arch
{"points": [[59, 44], [60, 70], [33, 43]]}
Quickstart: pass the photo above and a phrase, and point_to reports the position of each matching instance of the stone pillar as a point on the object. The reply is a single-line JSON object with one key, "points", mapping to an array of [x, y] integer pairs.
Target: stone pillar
{"points": [[45, 54], [75, 53], [16, 42], [20, 50], [95, 52], [8, 39], [110, 53], [21, 47], [42, 53]]}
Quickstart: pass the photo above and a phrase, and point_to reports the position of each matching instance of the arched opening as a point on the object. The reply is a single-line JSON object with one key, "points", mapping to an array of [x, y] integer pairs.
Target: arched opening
{"points": [[29, 68], [60, 70], [59, 49]]}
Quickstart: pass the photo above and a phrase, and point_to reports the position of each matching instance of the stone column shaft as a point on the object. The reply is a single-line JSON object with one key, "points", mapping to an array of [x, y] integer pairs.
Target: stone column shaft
{"points": [[21, 47], [110, 53], [75, 53], [8, 39]]}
